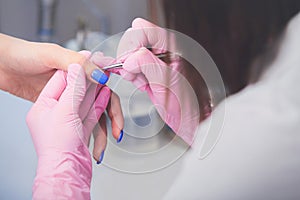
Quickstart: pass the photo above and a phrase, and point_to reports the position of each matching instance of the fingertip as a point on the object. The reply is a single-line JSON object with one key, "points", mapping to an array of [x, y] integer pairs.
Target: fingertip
{"points": [[117, 133], [86, 53], [99, 158], [116, 115], [61, 75], [120, 136], [126, 46], [141, 23], [98, 154], [94, 73], [100, 60], [100, 140], [99, 76], [98, 53], [89, 67], [136, 22]]}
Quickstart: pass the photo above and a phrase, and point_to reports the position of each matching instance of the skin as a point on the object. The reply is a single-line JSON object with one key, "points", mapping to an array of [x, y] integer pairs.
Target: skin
{"points": [[27, 66]]}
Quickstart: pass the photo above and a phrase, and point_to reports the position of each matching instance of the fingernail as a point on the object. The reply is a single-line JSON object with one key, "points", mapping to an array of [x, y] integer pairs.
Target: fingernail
{"points": [[120, 136], [100, 158], [99, 76]]}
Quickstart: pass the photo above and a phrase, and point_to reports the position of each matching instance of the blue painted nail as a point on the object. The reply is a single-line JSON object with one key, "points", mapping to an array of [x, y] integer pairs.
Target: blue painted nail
{"points": [[120, 136], [100, 158], [99, 76]]}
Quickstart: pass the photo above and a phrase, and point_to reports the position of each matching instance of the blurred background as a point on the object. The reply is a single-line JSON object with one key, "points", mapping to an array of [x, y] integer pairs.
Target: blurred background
{"points": [[22, 18]]}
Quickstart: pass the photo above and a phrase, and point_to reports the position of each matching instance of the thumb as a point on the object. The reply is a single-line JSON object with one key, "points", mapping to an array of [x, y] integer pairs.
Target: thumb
{"points": [[76, 88], [55, 87]]}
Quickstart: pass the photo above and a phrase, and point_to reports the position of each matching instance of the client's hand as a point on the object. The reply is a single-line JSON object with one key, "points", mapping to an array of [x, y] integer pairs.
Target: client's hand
{"points": [[60, 123], [26, 67]]}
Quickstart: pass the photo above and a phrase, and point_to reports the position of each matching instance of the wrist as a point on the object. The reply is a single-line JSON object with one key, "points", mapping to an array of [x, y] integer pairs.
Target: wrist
{"points": [[59, 171], [9, 49]]}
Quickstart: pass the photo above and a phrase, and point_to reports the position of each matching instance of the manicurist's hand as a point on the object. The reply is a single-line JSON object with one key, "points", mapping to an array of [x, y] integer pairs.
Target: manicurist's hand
{"points": [[168, 89], [60, 123]]}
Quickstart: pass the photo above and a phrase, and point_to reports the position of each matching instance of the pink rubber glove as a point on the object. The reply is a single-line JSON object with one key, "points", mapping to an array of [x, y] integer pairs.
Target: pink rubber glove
{"points": [[60, 123], [167, 88]]}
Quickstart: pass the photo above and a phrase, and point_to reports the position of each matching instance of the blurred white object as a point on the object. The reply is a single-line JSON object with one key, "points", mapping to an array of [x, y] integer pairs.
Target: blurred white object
{"points": [[257, 156]]}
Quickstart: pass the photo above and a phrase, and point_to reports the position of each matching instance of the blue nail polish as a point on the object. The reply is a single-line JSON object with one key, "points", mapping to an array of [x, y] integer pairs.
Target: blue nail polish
{"points": [[120, 136], [100, 158], [99, 76]]}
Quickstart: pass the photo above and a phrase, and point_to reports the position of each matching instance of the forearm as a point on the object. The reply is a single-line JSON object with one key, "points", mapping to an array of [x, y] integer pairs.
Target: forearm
{"points": [[7, 46], [16, 52], [18, 61], [25, 67], [63, 176]]}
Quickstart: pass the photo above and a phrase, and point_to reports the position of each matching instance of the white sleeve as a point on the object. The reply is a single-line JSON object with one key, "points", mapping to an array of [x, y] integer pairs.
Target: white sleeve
{"points": [[257, 156]]}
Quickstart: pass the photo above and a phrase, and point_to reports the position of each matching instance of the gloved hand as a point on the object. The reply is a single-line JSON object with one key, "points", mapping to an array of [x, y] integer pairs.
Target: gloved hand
{"points": [[167, 88], [60, 123]]}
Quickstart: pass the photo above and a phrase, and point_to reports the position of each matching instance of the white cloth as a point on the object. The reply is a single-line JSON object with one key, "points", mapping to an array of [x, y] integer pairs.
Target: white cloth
{"points": [[258, 154]]}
